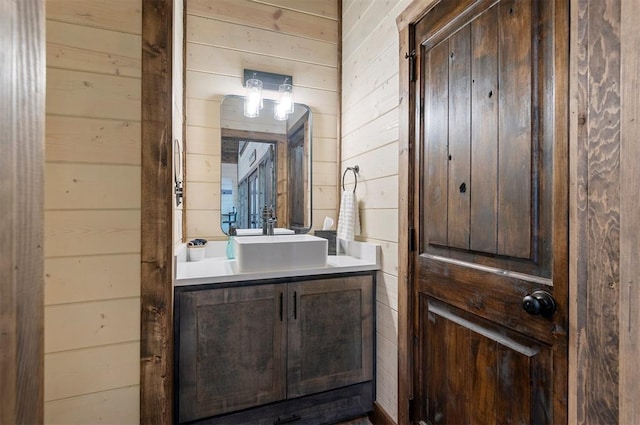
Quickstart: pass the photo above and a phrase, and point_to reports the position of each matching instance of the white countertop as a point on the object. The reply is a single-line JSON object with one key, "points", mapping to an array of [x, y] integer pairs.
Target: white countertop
{"points": [[216, 268]]}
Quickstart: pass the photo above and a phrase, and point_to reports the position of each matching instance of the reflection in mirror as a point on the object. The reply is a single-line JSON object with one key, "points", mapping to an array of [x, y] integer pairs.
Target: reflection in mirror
{"points": [[265, 162]]}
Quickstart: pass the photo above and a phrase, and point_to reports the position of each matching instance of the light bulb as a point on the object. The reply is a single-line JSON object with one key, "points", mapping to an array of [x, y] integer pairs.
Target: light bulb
{"points": [[253, 100], [285, 104]]}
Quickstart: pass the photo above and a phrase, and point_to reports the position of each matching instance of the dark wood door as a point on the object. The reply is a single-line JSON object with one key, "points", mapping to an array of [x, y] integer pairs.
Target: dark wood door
{"points": [[490, 212], [330, 334], [232, 349]]}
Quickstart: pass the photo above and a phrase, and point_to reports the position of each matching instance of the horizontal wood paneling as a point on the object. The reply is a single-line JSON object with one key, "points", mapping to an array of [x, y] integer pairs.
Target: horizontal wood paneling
{"points": [[375, 36], [379, 71], [324, 149], [370, 139], [253, 40], [204, 140], [203, 168], [96, 408], [374, 13], [92, 217], [387, 290], [115, 15], [203, 113], [386, 393], [325, 123], [90, 370], [72, 233], [324, 197], [379, 162], [379, 193], [90, 186], [204, 224], [90, 95], [375, 133], [387, 357], [352, 11], [375, 224], [259, 15], [324, 174], [222, 61], [327, 9], [90, 140], [372, 106], [82, 48], [90, 278], [386, 322], [203, 196], [90, 324]]}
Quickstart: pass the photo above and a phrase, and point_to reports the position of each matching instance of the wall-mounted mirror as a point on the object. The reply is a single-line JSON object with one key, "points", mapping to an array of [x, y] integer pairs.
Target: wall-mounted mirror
{"points": [[265, 162]]}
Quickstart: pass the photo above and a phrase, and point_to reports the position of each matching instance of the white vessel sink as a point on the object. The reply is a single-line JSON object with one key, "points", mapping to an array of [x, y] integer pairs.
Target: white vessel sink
{"points": [[265, 253], [258, 232]]}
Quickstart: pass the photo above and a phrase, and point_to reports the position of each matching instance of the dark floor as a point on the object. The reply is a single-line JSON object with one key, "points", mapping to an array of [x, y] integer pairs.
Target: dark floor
{"points": [[360, 421]]}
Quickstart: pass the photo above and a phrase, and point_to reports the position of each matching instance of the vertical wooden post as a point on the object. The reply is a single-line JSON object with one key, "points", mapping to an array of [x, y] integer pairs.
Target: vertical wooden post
{"points": [[629, 214], [156, 345], [22, 94], [604, 214]]}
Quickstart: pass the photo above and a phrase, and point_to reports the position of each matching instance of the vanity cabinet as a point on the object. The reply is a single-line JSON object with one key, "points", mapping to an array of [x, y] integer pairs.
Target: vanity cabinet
{"points": [[270, 352]]}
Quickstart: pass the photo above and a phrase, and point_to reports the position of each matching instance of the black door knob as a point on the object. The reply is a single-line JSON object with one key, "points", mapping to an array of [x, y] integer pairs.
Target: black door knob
{"points": [[539, 302]]}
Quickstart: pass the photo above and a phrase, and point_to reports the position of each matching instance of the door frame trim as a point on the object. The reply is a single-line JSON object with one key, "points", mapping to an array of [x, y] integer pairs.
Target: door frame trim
{"points": [[156, 256], [22, 169], [407, 133]]}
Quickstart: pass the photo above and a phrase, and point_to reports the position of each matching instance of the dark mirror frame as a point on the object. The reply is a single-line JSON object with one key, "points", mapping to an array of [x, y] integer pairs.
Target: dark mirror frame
{"points": [[274, 160]]}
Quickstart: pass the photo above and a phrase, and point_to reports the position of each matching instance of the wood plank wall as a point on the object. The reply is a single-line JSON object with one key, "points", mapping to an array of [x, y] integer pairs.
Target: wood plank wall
{"points": [[370, 93], [605, 219], [92, 211], [281, 36]]}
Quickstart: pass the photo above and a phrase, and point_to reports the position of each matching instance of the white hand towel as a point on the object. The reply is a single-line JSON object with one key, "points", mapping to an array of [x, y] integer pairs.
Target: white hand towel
{"points": [[349, 218]]}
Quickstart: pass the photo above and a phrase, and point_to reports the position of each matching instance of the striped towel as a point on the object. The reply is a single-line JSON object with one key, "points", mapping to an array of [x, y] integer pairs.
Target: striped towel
{"points": [[349, 218]]}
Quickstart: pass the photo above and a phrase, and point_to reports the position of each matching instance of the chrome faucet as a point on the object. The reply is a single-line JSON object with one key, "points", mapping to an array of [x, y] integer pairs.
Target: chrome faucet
{"points": [[271, 222], [265, 217], [268, 220]]}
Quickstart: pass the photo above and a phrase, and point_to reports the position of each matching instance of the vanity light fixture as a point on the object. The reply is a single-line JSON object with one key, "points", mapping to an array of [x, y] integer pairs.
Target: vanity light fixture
{"points": [[256, 81]]}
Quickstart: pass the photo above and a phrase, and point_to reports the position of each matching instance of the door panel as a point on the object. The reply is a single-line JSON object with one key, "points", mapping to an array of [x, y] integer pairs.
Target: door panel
{"points": [[437, 105], [515, 121], [491, 182], [330, 343], [482, 374], [232, 340], [484, 148], [459, 136]]}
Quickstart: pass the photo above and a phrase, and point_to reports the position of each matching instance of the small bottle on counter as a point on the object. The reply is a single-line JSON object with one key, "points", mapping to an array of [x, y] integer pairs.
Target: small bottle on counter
{"points": [[231, 254]]}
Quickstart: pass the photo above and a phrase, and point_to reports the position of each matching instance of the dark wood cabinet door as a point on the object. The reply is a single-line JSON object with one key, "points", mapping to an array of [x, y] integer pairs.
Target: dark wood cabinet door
{"points": [[491, 194], [330, 334], [232, 349]]}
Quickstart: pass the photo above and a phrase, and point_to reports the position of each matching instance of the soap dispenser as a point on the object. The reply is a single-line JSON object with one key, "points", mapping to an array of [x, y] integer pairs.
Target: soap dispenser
{"points": [[231, 254]]}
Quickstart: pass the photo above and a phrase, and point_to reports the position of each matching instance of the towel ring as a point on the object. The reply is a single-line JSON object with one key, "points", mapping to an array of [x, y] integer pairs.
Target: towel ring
{"points": [[355, 170]]}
